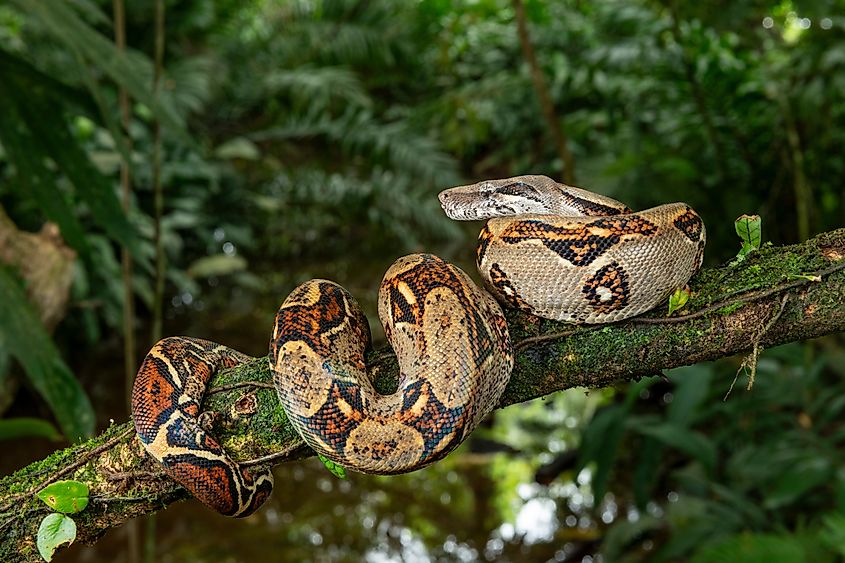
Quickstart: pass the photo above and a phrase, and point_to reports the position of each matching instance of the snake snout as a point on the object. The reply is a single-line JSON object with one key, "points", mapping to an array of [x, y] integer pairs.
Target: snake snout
{"points": [[443, 197]]}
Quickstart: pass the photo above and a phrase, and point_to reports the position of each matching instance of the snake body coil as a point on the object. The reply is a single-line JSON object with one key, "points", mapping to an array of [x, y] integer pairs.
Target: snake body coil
{"points": [[549, 249], [454, 354]]}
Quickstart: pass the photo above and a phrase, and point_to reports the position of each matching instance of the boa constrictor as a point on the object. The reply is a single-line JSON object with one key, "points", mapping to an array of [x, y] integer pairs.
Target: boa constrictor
{"points": [[549, 249]]}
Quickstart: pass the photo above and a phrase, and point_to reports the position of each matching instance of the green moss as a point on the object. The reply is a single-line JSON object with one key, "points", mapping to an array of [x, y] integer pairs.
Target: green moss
{"points": [[764, 268], [728, 309]]}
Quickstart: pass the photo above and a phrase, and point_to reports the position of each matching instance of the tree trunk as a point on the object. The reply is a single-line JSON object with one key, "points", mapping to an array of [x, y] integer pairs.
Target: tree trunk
{"points": [[541, 89], [775, 295]]}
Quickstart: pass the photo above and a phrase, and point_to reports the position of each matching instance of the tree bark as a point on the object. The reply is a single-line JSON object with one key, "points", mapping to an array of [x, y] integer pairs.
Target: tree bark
{"points": [[775, 295]]}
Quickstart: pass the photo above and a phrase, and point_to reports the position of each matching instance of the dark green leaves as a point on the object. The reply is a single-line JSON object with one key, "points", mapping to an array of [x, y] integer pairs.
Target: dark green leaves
{"points": [[693, 444], [751, 548], [25, 151], [600, 444], [128, 69], [34, 131], [602, 437]]}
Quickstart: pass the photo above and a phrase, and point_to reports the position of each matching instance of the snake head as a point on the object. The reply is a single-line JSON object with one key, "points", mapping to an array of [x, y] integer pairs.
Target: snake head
{"points": [[519, 195]]}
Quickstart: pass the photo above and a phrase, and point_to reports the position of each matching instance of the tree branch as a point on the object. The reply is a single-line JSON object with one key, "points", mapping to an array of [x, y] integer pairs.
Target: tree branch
{"points": [[775, 295]]}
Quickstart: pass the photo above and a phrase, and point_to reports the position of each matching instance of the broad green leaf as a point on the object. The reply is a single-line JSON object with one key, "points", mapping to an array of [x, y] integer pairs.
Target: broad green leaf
{"points": [[25, 427], [752, 548], [55, 530], [65, 496], [749, 228], [737, 506], [694, 444], [797, 480], [692, 525], [26, 339], [600, 445], [678, 299], [649, 455], [602, 436], [337, 470], [692, 385], [833, 533]]}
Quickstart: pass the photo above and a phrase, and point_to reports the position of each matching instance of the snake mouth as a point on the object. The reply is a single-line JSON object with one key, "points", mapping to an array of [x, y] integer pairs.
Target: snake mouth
{"points": [[467, 207]]}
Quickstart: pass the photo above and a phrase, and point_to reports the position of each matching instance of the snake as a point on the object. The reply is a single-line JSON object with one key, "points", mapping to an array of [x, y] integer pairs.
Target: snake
{"points": [[549, 249]]}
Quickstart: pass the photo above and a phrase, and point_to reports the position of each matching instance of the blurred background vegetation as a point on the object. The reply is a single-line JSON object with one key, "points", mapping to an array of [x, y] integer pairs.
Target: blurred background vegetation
{"points": [[299, 139]]}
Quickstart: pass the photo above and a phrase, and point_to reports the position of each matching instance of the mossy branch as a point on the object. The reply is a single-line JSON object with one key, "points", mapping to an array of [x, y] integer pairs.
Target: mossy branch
{"points": [[773, 296]]}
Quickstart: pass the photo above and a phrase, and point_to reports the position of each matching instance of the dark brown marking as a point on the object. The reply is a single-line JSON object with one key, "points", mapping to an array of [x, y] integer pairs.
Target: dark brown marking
{"points": [[591, 208], [434, 422], [690, 224], [607, 290], [583, 244], [432, 272], [505, 289], [521, 189], [484, 238], [330, 422], [315, 323]]}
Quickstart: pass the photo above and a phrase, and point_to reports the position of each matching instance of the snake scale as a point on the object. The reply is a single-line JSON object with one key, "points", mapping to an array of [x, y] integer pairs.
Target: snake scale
{"points": [[550, 249]]}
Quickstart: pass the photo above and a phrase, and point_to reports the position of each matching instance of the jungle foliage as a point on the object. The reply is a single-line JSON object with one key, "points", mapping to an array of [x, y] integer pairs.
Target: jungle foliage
{"points": [[298, 133]]}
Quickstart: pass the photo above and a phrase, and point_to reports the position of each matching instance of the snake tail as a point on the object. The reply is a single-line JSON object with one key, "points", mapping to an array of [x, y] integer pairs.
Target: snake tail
{"points": [[166, 399]]}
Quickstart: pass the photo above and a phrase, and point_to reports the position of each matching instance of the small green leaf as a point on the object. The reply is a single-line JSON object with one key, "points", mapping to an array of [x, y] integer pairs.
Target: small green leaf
{"points": [[678, 299], [239, 147], [65, 496], [750, 230], [55, 530], [808, 277], [337, 470], [216, 265]]}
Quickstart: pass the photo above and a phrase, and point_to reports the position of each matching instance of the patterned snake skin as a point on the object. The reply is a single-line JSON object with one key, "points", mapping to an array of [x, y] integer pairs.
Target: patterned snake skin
{"points": [[567, 254], [549, 249]]}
